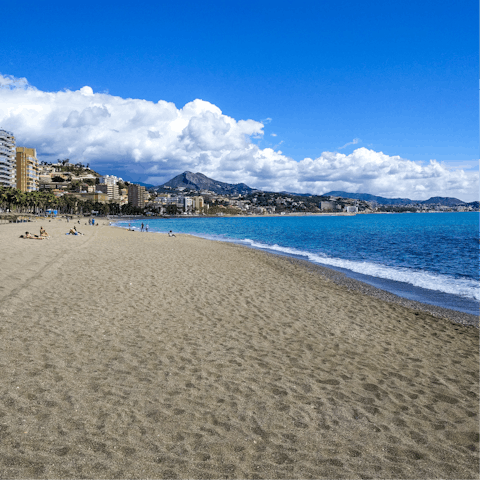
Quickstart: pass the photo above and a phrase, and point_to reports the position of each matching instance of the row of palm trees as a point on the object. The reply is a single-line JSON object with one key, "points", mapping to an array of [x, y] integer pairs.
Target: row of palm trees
{"points": [[38, 202]]}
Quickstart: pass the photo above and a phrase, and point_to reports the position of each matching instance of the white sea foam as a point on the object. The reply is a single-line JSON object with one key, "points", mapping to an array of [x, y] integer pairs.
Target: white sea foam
{"points": [[418, 278]]}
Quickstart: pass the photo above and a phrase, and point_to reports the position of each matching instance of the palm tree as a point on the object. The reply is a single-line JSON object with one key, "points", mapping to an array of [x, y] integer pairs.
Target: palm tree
{"points": [[70, 204], [45, 198], [33, 199], [15, 198]]}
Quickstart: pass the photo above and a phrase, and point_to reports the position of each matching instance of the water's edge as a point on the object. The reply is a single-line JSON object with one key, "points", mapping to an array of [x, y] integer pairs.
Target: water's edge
{"points": [[441, 305], [404, 290]]}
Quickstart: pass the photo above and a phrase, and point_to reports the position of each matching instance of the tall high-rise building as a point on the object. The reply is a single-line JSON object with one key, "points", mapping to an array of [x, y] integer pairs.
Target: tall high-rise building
{"points": [[136, 195], [198, 203], [7, 159], [27, 169], [110, 189]]}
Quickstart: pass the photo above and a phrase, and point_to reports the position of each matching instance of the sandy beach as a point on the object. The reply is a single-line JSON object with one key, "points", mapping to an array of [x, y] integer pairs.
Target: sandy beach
{"points": [[135, 355]]}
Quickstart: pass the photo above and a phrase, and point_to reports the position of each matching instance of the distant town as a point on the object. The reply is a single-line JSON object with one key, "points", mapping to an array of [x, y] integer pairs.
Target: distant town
{"points": [[30, 186]]}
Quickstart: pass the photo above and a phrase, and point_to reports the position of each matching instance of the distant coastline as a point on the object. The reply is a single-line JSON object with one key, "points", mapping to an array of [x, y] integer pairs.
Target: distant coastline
{"points": [[293, 214]]}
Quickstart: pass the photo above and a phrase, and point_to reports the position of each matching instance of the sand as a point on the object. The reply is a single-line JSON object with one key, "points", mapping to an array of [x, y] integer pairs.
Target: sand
{"points": [[134, 355]]}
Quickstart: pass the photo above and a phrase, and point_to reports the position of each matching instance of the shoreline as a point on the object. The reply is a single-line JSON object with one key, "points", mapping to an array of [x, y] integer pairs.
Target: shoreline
{"points": [[292, 214], [354, 284], [143, 356], [364, 288]]}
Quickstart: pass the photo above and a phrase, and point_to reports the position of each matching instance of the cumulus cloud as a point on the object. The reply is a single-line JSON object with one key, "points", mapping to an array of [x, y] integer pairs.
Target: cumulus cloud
{"points": [[10, 82], [159, 140]]}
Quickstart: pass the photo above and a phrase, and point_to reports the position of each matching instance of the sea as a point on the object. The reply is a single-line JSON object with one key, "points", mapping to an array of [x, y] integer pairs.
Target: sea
{"points": [[428, 257]]}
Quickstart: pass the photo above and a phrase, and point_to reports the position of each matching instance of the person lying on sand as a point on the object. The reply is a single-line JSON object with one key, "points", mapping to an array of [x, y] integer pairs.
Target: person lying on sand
{"points": [[33, 237]]}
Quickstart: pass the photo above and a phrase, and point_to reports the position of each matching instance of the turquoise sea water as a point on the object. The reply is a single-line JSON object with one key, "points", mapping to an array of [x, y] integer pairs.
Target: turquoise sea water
{"points": [[433, 258]]}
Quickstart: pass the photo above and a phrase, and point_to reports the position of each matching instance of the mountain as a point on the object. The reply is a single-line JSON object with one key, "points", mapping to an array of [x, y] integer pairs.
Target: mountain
{"points": [[148, 186], [369, 198], [293, 194], [198, 181], [447, 201]]}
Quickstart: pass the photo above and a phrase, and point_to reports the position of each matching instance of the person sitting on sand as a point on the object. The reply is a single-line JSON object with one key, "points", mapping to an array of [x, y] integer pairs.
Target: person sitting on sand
{"points": [[171, 234], [43, 232], [74, 231]]}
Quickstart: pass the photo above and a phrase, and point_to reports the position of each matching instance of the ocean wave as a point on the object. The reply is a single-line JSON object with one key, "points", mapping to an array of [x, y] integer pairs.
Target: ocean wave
{"points": [[418, 278]]}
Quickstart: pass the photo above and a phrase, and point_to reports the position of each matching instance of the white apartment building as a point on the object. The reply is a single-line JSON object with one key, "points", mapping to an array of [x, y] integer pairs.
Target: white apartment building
{"points": [[181, 202], [110, 179], [7, 159]]}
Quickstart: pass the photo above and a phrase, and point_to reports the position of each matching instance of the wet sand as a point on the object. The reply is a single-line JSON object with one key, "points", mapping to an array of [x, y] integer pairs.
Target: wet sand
{"points": [[133, 355]]}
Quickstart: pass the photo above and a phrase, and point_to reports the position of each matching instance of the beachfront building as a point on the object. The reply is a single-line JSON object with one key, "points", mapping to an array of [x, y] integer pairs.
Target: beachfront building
{"points": [[187, 204], [184, 203], [110, 189], [136, 195], [198, 203], [7, 159], [27, 169]]}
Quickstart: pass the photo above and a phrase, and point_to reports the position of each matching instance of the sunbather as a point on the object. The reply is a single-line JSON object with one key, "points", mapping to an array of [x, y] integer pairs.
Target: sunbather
{"points": [[33, 237], [74, 231]]}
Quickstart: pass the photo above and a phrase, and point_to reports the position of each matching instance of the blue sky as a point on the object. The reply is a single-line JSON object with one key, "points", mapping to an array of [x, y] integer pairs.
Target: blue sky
{"points": [[399, 77]]}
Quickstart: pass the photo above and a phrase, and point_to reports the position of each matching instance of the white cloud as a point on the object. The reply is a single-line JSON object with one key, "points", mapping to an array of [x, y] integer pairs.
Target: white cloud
{"points": [[159, 140], [353, 142], [10, 82], [273, 134]]}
